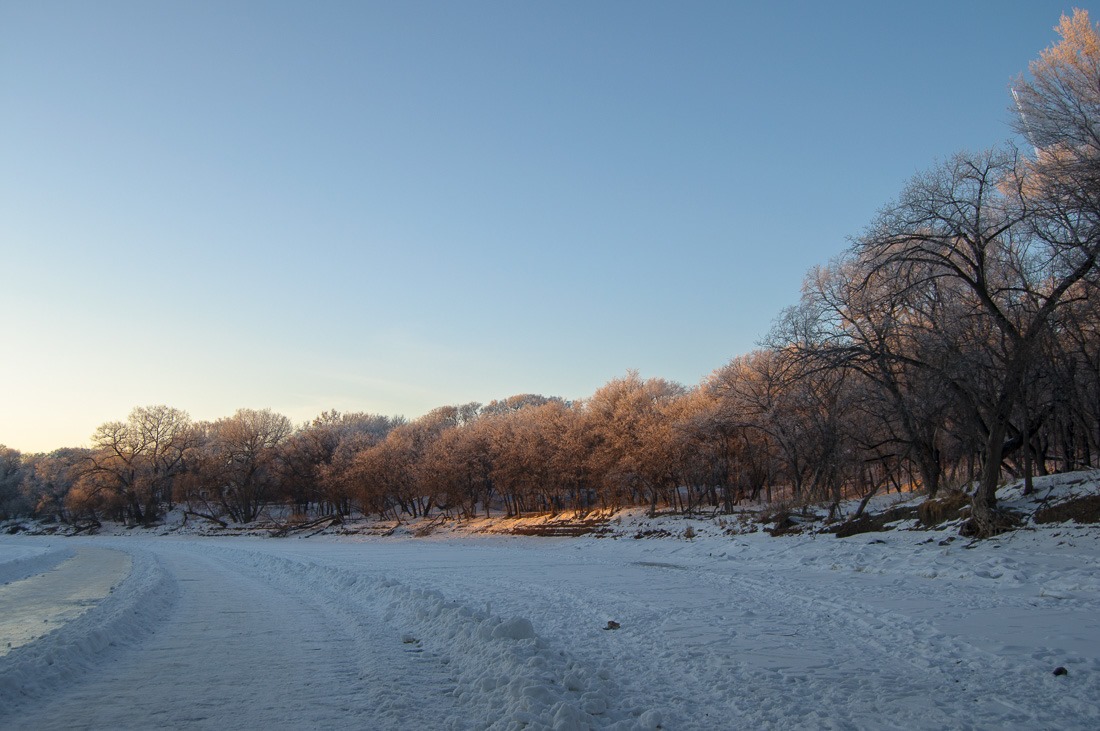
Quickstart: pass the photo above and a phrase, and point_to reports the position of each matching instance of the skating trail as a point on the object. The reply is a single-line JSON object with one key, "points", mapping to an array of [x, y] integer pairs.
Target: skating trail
{"points": [[233, 652], [34, 606]]}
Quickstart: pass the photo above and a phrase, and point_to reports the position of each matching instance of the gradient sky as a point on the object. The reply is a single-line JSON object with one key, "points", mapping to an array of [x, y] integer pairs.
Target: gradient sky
{"points": [[392, 206]]}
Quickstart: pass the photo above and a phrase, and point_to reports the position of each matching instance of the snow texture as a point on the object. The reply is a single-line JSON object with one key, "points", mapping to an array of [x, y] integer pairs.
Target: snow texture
{"points": [[896, 630]]}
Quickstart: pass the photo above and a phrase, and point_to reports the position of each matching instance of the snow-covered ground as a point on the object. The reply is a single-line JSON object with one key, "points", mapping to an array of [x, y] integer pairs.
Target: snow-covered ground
{"points": [[896, 630]]}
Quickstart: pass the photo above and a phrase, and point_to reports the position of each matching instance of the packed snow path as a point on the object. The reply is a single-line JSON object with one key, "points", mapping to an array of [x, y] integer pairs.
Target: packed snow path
{"points": [[807, 633], [233, 652], [746, 632]]}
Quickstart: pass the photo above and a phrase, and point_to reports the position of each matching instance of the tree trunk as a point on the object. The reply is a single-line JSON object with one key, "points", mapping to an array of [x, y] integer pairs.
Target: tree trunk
{"points": [[928, 463], [985, 519]]}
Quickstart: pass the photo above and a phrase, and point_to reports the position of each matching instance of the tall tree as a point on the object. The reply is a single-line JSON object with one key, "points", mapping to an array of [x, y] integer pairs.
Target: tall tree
{"points": [[12, 501], [973, 229], [49, 478], [1059, 113], [243, 460], [132, 465], [632, 437], [852, 318]]}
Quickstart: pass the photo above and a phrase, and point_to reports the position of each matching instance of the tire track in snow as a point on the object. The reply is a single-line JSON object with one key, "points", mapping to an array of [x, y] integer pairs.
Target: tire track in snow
{"points": [[1000, 693], [771, 650], [500, 674], [572, 615], [733, 651], [402, 685]]}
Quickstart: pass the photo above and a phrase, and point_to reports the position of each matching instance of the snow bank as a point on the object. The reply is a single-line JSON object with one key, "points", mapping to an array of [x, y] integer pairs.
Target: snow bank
{"points": [[904, 629], [504, 675], [19, 562], [125, 616]]}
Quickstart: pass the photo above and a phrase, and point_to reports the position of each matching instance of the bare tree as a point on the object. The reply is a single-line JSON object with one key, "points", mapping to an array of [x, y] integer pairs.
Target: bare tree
{"points": [[12, 473], [49, 478], [632, 436], [860, 319], [970, 229], [132, 465], [1059, 113], [241, 461], [755, 393], [313, 459], [458, 466]]}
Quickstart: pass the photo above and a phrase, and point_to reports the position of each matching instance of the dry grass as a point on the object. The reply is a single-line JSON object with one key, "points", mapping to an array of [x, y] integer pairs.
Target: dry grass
{"points": [[936, 511], [873, 522], [1081, 510], [563, 528]]}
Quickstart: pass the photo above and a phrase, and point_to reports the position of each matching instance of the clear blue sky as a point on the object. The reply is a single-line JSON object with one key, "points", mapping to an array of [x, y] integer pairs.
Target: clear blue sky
{"points": [[391, 206]]}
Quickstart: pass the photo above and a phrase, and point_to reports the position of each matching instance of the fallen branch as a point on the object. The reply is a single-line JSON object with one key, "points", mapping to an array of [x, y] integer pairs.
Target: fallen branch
{"points": [[288, 528], [94, 525], [211, 518]]}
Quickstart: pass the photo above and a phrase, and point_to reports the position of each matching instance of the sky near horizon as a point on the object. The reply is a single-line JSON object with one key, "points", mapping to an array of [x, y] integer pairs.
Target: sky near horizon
{"points": [[393, 206]]}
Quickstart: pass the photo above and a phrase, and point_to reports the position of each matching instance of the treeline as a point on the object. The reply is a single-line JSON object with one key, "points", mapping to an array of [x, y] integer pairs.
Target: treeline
{"points": [[955, 343]]}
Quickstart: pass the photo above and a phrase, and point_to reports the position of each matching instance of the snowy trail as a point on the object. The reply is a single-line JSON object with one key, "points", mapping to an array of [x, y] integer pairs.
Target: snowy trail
{"points": [[500, 633], [842, 634], [233, 653]]}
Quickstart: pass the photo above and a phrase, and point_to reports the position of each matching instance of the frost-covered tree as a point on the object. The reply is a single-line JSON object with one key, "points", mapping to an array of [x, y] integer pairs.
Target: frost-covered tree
{"points": [[130, 470], [312, 459], [628, 419], [241, 465], [12, 473]]}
